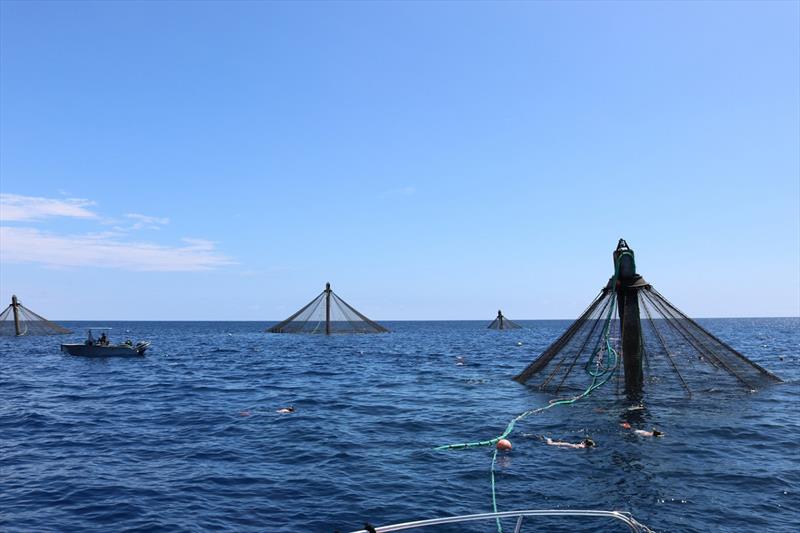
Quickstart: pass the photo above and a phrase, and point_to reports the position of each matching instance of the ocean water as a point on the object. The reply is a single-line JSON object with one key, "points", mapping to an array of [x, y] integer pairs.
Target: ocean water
{"points": [[187, 438]]}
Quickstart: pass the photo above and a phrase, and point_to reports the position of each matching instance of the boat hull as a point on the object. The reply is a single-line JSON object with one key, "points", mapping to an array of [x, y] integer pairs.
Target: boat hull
{"points": [[86, 350]]}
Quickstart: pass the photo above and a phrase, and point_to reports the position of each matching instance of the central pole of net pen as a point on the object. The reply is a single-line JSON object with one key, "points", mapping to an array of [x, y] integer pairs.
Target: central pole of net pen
{"points": [[327, 309], [15, 306], [628, 284]]}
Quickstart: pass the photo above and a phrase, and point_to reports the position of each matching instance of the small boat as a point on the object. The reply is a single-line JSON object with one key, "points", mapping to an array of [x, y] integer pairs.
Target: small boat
{"points": [[102, 347]]}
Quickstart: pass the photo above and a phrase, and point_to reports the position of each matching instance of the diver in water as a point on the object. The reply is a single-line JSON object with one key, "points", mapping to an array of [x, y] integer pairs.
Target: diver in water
{"points": [[585, 443], [654, 433], [642, 432]]}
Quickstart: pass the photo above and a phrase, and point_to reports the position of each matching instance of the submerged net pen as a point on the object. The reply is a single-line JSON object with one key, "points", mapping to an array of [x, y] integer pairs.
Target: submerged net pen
{"points": [[327, 314], [659, 344], [18, 320]]}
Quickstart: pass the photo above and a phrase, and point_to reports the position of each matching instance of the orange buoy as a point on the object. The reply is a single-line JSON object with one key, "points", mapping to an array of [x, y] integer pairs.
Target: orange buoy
{"points": [[626, 425], [504, 444]]}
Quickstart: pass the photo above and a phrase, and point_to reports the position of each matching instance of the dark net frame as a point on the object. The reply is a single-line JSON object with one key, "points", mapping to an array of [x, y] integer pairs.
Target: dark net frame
{"points": [[502, 322], [679, 356], [327, 314], [26, 323]]}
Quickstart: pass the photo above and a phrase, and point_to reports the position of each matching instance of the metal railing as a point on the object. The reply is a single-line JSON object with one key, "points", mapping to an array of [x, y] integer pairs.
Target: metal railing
{"points": [[626, 518]]}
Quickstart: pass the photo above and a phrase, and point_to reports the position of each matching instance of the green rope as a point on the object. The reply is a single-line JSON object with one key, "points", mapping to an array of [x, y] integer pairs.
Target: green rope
{"points": [[601, 371], [494, 498], [599, 377], [604, 369]]}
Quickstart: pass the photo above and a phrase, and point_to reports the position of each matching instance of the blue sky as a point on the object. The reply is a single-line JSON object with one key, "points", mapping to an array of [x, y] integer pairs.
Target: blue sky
{"points": [[179, 160]]}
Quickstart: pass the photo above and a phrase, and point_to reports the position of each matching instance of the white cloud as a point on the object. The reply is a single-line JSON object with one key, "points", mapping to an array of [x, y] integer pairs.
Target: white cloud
{"points": [[29, 245], [147, 222], [108, 249], [18, 208]]}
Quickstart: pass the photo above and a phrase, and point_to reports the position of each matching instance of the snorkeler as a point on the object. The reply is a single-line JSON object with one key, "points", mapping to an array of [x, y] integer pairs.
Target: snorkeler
{"points": [[585, 443], [654, 433], [642, 432], [286, 410]]}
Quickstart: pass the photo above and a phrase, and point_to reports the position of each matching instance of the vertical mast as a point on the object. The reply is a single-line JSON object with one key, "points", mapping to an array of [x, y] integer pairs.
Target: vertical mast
{"points": [[327, 309], [15, 306], [628, 284]]}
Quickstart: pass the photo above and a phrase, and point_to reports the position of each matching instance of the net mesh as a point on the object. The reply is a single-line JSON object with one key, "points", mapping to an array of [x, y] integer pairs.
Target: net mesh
{"points": [[29, 323], [327, 314], [679, 356], [502, 322]]}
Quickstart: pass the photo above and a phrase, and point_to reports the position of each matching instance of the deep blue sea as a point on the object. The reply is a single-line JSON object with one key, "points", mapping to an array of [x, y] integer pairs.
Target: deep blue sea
{"points": [[187, 438]]}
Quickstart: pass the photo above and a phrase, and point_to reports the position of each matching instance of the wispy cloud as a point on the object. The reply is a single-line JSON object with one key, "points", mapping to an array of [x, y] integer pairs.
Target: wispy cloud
{"points": [[29, 245], [109, 249], [146, 222], [18, 208]]}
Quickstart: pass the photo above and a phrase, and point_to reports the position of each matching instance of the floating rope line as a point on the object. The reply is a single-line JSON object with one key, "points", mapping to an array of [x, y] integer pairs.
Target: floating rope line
{"points": [[606, 363]]}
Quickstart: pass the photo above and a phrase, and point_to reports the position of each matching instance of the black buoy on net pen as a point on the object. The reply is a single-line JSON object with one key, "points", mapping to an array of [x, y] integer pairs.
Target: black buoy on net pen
{"points": [[628, 284]]}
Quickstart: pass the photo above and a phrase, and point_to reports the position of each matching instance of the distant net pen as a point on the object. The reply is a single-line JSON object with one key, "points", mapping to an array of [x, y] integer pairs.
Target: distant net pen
{"points": [[17, 320], [327, 314], [502, 322]]}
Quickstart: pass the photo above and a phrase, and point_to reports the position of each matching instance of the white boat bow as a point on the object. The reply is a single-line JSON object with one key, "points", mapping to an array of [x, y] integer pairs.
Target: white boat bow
{"points": [[625, 518]]}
